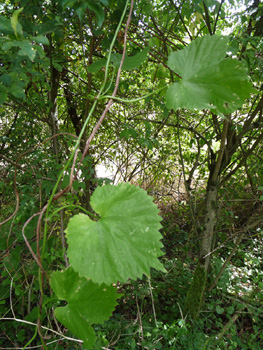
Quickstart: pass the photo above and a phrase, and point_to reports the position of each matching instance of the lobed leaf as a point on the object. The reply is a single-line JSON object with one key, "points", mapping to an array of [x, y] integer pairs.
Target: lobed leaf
{"points": [[124, 243], [209, 80], [87, 303]]}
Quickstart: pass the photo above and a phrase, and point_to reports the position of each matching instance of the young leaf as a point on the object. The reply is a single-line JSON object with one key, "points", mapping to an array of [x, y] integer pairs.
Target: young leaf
{"points": [[124, 243], [208, 79], [87, 303]]}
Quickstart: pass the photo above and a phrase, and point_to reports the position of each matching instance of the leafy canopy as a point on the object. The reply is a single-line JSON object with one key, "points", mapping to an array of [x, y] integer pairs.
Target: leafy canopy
{"points": [[209, 80]]}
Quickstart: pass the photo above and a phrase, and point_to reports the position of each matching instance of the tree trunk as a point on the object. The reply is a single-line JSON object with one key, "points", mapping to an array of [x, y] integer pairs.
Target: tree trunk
{"points": [[196, 292]]}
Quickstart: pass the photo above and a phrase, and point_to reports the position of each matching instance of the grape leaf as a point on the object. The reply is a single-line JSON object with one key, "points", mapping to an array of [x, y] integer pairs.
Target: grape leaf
{"points": [[87, 303], [209, 81], [124, 243]]}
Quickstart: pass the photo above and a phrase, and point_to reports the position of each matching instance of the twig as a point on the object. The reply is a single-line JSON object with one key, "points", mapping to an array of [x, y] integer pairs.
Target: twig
{"points": [[16, 166], [153, 307], [46, 328]]}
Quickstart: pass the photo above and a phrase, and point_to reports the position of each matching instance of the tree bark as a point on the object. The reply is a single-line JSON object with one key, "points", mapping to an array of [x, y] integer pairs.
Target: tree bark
{"points": [[196, 292]]}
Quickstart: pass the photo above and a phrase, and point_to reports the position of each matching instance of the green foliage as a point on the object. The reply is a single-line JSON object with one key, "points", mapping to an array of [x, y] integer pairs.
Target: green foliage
{"points": [[52, 56], [80, 7], [195, 294], [130, 62], [208, 79], [124, 243], [87, 303]]}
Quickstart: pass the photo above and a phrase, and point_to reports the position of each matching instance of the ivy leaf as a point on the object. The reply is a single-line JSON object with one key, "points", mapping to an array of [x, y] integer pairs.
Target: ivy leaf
{"points": [[87, 303], [209, 81], [124, 243]]}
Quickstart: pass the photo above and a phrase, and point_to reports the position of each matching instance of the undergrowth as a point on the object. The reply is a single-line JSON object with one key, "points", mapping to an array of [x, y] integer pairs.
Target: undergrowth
{"points": [[151, 312]]}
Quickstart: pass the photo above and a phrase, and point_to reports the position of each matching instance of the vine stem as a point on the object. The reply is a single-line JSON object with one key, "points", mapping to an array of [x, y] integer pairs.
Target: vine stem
{"points": [[73, 156], [134, 99], [115, 89]]}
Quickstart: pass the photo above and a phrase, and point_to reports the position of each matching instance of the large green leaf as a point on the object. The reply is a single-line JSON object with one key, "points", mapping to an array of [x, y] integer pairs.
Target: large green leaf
{"points": [[209, 80], [124, 243], [87, 303]]}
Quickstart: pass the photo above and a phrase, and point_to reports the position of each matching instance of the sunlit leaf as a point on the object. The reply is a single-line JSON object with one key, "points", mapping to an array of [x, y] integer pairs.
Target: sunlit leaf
{"points": [[14, 21], [124, 243], [209, 80]]}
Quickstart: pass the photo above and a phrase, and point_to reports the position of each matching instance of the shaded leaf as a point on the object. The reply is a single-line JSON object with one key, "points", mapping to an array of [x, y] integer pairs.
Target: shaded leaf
{"points": [[124, 243], [17, 91], [98, 10], [3, 94], [128, 132], [6, 79], [41, 39], [5, 25], [87, 303], [130, 62], [96, 66], [26, 49]]}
